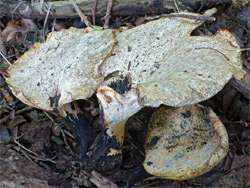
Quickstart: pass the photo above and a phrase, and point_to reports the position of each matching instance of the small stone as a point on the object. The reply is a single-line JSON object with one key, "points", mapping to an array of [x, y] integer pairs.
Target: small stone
{"points": [[4, 135]]}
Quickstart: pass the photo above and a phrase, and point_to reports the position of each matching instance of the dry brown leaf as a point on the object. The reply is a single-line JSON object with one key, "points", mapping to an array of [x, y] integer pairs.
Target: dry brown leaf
{"points": [[59, 26], [7, 96], [238, 177], [28, 24], [13, 33]]}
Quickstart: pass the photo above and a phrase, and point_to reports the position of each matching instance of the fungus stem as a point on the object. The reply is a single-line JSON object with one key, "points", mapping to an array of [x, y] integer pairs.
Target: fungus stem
{"points": [[117, 109]]}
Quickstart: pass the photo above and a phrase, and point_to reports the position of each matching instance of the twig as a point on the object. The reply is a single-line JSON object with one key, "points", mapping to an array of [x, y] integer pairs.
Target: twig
{"points": [[101, 181], [26, 109], [176, 6], [244, 89], [63, 9], [16, 9], [24, 153], [49, 116], [5, 59], [69, 134], [33, 157], [202, 5], [80, 13], [203, 18], [94, 10], [28, 150], [244, 49], [131, 142], [47, 15], [46, 18], [6, 118], [223, 174], [66, 143], [64, 138], [43, 159], [107, 16]]}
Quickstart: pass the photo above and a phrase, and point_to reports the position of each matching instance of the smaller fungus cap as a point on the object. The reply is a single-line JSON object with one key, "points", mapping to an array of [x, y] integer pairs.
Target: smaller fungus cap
{"points": [[185, 142]]}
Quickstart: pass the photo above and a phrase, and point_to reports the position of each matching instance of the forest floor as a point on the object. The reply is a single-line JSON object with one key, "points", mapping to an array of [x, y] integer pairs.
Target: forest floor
{"points": [[37, 149]]}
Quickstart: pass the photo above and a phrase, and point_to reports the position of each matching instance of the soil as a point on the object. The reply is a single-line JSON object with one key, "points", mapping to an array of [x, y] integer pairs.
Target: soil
{"points": [[38, 149]]}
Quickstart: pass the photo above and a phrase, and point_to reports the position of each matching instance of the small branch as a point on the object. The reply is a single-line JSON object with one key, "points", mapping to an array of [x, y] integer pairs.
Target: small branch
{"points": [[45, 21], [16, 9], [63, 9], [108, 12], [5, 59], [7, 117], [38, 157], [51, 119], [203, 18], [24, 153], [101, 181], [80, 13], [26, 109], [94, 10], [176, 6], [245, 49], [66, 143], [223, 174], [69, 134], [241, 87]]}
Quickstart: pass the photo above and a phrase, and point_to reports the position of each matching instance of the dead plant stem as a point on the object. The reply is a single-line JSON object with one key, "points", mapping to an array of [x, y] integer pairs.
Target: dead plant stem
{"points": [[203, 18], [80, 13], [108, 12], [28, 150]]}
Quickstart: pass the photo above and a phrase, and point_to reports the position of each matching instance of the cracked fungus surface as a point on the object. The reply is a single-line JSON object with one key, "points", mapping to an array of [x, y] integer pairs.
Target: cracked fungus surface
{"points": [[163, 62], [168, 66], [61, 70], [184, 142]]}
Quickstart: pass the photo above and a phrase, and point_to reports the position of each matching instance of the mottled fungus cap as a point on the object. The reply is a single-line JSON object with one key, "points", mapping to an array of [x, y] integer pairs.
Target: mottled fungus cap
{"points": [[185, 142]]}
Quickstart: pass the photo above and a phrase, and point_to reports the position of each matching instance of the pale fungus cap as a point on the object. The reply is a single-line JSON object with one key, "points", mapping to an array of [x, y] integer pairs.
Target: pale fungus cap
{"points": [[185, 142], [169, 66], [61, 70], [165, 63]]}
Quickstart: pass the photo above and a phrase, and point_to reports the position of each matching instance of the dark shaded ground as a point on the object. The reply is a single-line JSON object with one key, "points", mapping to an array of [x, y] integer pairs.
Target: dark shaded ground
{"points": [[37, 149]]}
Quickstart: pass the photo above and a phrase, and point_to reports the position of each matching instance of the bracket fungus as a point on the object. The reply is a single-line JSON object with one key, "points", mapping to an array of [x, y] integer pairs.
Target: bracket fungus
{"points": [[164, 64], [185, 142]]}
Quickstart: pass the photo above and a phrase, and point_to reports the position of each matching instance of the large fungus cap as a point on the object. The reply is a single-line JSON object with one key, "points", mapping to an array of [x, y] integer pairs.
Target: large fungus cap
{"points": [[185, 142], [169, 66], [61, 70], [165, 63]]}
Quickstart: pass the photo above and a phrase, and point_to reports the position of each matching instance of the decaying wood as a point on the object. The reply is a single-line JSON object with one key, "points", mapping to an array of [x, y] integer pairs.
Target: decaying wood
{"points": [[242, 87], [119, 8], [100, 181]]}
